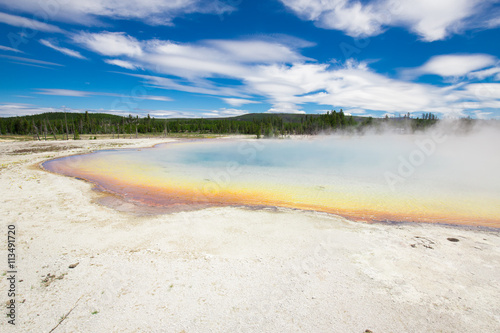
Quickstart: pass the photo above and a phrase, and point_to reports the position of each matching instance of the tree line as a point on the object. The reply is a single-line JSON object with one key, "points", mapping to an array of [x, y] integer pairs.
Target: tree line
{"points": [[72, 125]]}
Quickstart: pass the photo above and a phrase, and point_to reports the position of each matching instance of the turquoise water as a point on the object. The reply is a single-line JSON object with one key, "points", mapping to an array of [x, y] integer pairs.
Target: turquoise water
{"points": [[370, 177]]}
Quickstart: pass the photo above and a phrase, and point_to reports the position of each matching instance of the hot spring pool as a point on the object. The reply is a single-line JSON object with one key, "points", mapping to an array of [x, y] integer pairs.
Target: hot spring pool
{"points": [[373, 178]]}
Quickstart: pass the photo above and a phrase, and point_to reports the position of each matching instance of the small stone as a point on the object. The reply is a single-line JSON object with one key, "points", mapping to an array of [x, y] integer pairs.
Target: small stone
{"points": [[451, 239], [73, 265]]}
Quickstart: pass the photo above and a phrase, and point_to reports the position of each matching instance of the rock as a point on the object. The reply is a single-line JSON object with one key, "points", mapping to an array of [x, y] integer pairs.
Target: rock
{"points": [[73, 265]]}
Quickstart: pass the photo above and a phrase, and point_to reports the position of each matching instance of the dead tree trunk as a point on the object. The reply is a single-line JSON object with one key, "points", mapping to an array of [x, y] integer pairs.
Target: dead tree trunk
{"points": [[53, 132], [45, 130], [66, 121], [36, 130]]}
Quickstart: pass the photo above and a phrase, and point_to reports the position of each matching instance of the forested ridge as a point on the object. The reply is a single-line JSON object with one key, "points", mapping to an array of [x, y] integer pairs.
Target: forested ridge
{"points": [[71, 125]]}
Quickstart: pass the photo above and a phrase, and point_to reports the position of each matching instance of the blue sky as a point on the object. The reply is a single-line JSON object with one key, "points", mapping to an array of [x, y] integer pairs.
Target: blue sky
{"points": [[198, 58]]}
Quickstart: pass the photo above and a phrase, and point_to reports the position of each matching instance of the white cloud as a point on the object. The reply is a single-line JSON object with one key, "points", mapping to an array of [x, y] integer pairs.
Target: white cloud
{"points": [[285, 108], [483, 91], [252, 51], [192, 87], [453, 65], [481, 75], [195, 64], [278, 74], [283, 84], [5, 48], [359, 88], [223, 113], [287, 87], [482, 115], [212, 58], [31, 65], [435, 20], [121, 63], [238, 101], [353, 18], [29, 60], [64, 92], [71, 53], [431, 20], [79, 93], [22, 22], [190, 61], [109, 43], [493, 22], [154, 98], [355, 111], [165, 114], [90, 12], [23, 109]]}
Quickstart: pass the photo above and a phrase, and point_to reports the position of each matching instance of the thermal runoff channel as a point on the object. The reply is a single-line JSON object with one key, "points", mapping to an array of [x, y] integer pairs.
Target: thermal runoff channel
{"points": [[429, 177]]}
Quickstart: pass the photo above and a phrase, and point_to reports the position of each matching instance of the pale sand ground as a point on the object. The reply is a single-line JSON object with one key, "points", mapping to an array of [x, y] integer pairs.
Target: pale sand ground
{"points": [[231, 269]]}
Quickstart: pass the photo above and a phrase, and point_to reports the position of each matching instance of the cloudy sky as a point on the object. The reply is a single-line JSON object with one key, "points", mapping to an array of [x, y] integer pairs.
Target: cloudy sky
{"points": [[200, 58]]}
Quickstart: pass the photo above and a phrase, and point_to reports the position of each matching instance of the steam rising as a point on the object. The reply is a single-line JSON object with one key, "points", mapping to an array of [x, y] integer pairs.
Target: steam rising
{"points": [[447, 173]]}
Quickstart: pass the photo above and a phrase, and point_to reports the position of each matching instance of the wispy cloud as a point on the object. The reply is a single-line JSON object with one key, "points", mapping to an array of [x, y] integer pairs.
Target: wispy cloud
{"points": [[110, 43], [31, 65], [452, 65], [64, 92], [238, 101], [198, 87], [222, 113], [29, 60], [121, 63], [154, 12], [23, 109], [66, 51], [23, 22], [284, 107], [80, 93], [6, 48], [431, 20], [163, 113], [483, 74]]}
